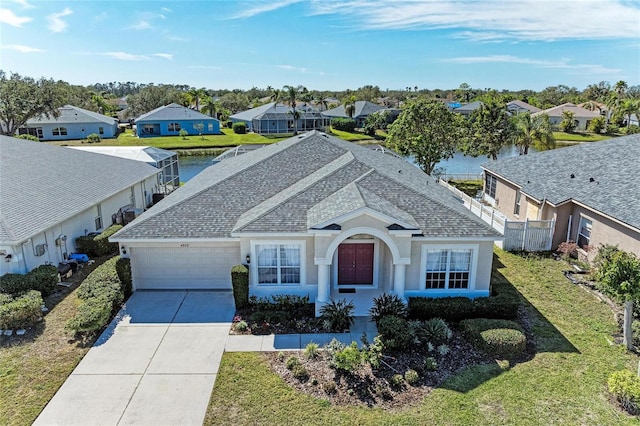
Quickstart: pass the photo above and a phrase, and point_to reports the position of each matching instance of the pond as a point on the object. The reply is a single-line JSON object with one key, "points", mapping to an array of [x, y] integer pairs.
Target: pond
{"points": [[191, 165]]}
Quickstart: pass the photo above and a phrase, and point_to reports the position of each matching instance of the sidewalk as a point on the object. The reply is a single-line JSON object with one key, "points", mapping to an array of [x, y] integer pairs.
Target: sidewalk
{"points": [[296, 342]]}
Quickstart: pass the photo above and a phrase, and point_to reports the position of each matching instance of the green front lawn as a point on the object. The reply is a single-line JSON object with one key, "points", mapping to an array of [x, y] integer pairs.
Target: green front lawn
{"points": [[227, 139], [579, 137], [564, 383], [351, 136]]}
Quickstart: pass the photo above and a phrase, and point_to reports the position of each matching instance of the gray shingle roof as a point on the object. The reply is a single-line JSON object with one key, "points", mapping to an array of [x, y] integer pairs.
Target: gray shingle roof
{"points": [[579, 112], [362, 109], [613, 164], [42, 185], [279, 187], [173, 112], [72, 114]]}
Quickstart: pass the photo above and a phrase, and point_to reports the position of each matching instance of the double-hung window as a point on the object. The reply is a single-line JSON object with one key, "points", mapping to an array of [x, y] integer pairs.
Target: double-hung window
{"points": [[584, 232], [490, 182], [516, 208], [174, 127], [448, 268], [279, 263]]}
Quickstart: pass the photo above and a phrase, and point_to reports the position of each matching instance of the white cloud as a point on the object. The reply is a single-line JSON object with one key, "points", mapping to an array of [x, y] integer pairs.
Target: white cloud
{"points": [[495, 20], [8, 17], [123, 56], [21, 48], [141, 25], [291, 68], [166, 9], [167, 56], [540, 63], [264, 7], [24, 4], [56, 24]]}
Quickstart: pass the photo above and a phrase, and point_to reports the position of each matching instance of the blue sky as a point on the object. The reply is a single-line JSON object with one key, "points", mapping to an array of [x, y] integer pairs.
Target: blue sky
{"points": [[325, 44]]}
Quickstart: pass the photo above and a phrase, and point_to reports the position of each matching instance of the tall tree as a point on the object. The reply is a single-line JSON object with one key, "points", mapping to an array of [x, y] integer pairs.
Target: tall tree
{"points": [[291, 94], [629, 107], [620, 275], [209, 106], [151, 97], [195, 96], [22, 98], [490, 128], [532, 131], [349, 105], [428, 131], [568, 123]]}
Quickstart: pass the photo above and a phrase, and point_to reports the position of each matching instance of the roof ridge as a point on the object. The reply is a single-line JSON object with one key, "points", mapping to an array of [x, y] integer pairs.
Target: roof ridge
{"points": [[286, 194]]}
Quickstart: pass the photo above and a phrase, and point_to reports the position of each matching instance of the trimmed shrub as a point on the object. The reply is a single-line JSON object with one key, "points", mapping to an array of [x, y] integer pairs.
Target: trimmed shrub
{"points": [[502, 304], [14, 284], [292, 362], [397, 380], [300, 372], [411, 376], [28, 137], [312, 350], [239, 128], [240, 283], [102, 294], [344, 124], [93, 138], [395, 332], [430, 364], [625, 387], [123, 269], [22, 311], [241, 326], [337, 316], [98, 245], [44, 278], [387, 304], [500, 338], [347, 359], [5, 298]]}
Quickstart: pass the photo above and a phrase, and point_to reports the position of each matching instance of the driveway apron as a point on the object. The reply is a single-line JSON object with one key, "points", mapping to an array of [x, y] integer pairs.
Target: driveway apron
{"points": [[155, 364]]}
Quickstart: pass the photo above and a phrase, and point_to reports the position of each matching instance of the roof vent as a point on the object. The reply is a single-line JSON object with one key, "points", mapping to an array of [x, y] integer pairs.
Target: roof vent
{"points": [[400, 171], [591, 179], [572, 176]]}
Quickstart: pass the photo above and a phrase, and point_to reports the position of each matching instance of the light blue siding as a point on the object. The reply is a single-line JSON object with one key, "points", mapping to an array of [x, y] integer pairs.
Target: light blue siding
{"points": [[73, 130], [154, 128]]}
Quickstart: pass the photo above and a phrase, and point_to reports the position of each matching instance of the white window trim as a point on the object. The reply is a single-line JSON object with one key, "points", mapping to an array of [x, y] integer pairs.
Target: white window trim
{"points": [[518, 204], [494, 178], [254, 262], [578, 234], [472, 270], [376, 264]]}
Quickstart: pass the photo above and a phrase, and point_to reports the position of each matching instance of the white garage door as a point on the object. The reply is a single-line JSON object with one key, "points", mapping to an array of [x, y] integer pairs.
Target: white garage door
{"points": [[183, 267]]}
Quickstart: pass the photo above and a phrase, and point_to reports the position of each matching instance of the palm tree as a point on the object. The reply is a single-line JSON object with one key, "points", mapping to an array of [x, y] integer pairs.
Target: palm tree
{"points": [[350, 105], [321, 100], [628, 108], [209, 106], [533, 131], [291, 93], [194, 96], [275, 95]]}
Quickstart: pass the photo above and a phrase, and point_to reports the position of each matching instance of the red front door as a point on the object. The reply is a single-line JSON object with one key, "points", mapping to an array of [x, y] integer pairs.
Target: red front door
{"points": [[355, 264]]}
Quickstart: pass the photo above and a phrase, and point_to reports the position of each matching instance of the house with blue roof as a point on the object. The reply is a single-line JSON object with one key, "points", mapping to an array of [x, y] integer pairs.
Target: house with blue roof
{"points": [[170, 119], [71, 123], [313, 215]]}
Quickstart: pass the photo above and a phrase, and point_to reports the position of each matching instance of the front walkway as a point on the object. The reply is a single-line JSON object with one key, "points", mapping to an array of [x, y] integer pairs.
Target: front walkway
{"points": [[157, 362]]}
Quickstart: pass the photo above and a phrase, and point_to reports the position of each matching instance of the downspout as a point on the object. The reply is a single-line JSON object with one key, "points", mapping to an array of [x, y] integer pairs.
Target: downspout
{"points": [[544, 200], [24, 258]]}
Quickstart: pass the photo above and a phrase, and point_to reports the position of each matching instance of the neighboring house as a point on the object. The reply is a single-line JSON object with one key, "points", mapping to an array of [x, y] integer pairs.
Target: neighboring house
{"points": [[581, 116], [590, 190], [166, 161], [73, 123], [467, 109], [361, 111], [168, 120], [518, 106], [313, 215], [274, 118], [51, 195]]}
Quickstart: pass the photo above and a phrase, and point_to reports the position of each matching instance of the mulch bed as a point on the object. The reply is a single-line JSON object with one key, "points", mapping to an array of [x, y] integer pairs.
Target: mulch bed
{"points": [[373, 388]]}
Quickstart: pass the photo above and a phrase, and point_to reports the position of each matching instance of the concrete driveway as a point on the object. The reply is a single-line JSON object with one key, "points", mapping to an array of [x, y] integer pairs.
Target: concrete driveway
{"points": [[155, 364]]}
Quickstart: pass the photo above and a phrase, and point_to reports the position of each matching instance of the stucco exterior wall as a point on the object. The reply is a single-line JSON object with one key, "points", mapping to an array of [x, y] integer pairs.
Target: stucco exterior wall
{"points": [[76, 130], [211, 127]]}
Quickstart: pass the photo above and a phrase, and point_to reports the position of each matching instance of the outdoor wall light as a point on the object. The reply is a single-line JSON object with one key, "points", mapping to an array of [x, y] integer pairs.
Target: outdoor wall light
{"points": [[248, 258], [7, 258], [123, 249]]}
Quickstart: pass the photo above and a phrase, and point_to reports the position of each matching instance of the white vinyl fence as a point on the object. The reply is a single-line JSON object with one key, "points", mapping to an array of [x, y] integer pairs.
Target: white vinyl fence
{"points": [[528, 235]]}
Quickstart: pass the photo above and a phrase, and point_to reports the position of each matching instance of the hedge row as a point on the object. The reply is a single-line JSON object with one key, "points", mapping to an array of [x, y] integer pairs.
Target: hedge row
{"points": [[501, 338], [344, 124], [102, 293], [239, 128], [98, 245], [44, 279], [21, 312], [240, 283], [503, 303]]}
